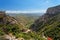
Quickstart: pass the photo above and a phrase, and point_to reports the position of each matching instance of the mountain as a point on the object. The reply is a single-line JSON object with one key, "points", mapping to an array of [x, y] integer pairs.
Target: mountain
{"points": [[49, 23], [8, 24], [12, 29]]}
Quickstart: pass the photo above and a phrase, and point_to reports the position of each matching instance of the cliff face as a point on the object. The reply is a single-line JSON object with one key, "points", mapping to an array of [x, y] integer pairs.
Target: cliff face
{"points": [[44, 19], [53, 10]]}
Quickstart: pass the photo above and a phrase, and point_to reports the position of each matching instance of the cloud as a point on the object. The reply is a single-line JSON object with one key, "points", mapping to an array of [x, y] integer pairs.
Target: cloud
{"points": [[31, 11], [47, 1]]}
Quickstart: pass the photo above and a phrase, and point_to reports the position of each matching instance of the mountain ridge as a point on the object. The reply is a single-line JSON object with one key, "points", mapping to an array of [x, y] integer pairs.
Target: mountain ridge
{"points": [[49, 23], [48, 14]]}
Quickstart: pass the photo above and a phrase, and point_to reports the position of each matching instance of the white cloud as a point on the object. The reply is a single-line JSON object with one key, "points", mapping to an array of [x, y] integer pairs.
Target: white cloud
{"points": [[31, 11], [47, 1]]}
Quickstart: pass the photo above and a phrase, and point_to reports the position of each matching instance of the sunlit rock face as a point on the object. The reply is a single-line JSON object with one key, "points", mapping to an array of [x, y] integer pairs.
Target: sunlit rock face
{"points": [[5, 19]]}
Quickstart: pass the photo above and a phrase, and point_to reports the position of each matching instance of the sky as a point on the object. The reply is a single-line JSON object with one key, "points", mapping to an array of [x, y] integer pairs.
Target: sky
{"points": [[27, 6]]}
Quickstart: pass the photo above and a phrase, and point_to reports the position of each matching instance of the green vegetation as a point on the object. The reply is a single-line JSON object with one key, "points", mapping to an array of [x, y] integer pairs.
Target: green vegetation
{"points": [[16, 29], [51, 28]]}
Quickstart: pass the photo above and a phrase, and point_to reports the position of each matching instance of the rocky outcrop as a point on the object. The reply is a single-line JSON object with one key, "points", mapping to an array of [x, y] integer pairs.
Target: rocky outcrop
{"points": [[5, 19], [2, 17]]}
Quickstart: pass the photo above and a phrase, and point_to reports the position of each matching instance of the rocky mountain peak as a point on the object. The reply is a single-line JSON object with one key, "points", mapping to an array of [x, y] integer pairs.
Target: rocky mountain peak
{"points": [[53, 10]]}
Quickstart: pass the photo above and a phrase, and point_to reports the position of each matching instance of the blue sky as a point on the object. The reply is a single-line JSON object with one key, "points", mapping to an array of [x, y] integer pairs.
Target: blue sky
{"points": [[27, 5]]}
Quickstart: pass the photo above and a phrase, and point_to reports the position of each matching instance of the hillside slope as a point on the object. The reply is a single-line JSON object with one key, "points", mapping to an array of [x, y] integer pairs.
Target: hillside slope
{"points": [[10, 29], [8, 24], [49, 23]]}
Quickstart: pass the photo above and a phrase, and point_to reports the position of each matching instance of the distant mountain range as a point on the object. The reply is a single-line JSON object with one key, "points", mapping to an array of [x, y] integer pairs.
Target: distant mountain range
{"points": [[27, 14]]}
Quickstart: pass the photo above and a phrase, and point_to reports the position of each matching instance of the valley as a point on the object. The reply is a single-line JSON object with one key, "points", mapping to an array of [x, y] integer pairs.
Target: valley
{"points": [[31, 26]]}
